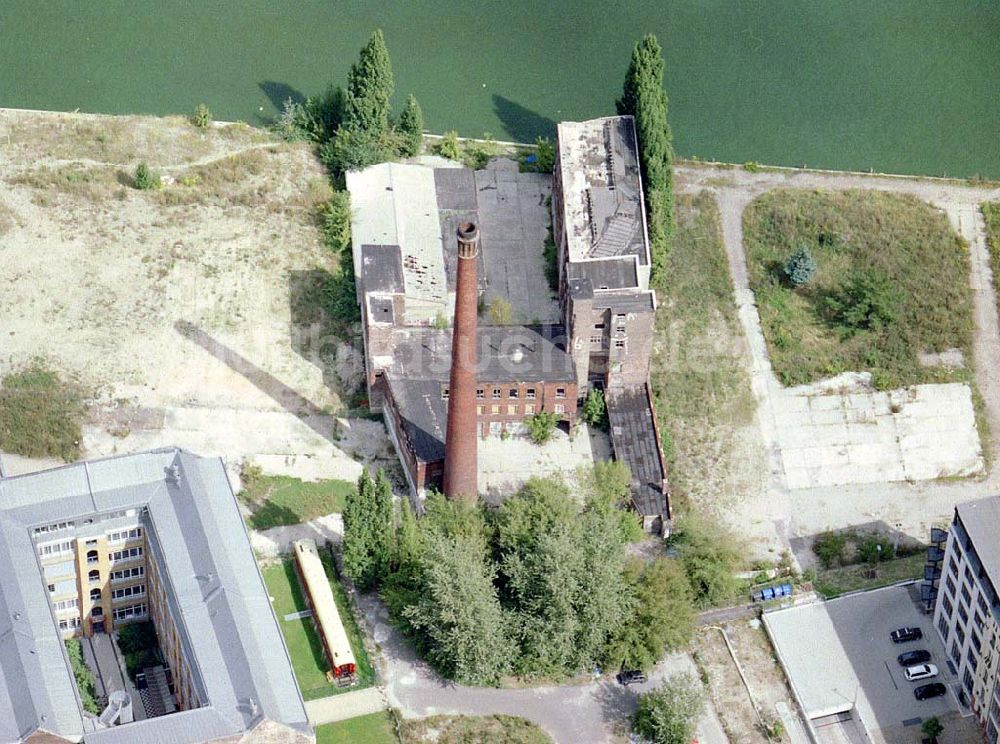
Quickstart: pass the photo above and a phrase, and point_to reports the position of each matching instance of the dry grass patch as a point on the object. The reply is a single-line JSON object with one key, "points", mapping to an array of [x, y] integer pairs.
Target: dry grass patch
{"points": [[498, 729], [908, 270], [93, 184], [699, 376], [8, 219], [991, 213], [40, 414]]}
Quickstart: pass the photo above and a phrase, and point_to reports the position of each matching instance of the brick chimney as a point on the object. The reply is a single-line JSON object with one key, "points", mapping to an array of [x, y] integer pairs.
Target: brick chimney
{"points": [[460, 467]]}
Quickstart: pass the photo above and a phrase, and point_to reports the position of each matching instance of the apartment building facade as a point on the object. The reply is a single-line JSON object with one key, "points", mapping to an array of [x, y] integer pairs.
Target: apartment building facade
{"points": [[967, 608]]}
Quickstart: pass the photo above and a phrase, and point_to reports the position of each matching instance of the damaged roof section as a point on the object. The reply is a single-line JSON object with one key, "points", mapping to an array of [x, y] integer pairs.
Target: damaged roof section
{"points": [[636, 440]]}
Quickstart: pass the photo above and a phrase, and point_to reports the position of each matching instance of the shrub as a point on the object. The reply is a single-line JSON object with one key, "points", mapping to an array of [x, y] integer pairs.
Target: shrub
{"points": [[202, 116], [501, 312], [800, 267], [751, 166], [145, 179], [136, 637], [710, 557], [670, 713], [868, 300], [932, 728], [875, 548], [294, 123], [448, 147], [829, 547], [546, 154], [352, 149], [594, 410], [541, 426], [441, 321]]}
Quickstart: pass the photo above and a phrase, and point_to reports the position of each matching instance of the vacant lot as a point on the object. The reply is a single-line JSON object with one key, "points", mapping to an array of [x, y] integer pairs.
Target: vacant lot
{"points": [[891, 283], [169, 298], [728, 693], [304, 646], [40, 414], [699, 376], [276, 500]]}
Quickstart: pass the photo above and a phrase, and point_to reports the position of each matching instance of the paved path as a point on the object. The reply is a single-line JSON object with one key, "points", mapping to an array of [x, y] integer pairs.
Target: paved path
{"points": [[346, 705], [570, 714]]}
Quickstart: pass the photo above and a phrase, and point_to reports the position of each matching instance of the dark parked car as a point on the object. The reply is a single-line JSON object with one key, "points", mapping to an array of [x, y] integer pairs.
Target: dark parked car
{"points": [[904, 635], [913, 657], [629, 676], [926, 692]]}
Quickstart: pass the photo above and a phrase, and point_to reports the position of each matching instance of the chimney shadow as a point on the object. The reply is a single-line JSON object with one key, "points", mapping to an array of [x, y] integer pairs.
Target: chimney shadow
{"points": [[522, 124], [289, 399]]}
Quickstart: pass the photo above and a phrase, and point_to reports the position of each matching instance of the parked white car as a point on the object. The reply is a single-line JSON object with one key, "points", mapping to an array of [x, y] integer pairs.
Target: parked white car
{"points": [[921, 671]]}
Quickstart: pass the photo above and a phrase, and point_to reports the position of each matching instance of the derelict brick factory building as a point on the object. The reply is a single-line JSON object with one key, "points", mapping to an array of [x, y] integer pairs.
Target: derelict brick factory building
{"points": [[596, 330]]}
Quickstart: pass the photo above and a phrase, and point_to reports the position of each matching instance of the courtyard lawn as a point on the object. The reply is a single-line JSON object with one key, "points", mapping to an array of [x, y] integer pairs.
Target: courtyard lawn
{"points": [[836, 581], [704, 401], [304, 645], [918, 266], [276, 500], [375, 728]]}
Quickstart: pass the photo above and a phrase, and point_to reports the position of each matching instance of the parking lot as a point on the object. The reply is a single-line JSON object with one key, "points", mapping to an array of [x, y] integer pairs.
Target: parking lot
{"points": [[839, 659]]}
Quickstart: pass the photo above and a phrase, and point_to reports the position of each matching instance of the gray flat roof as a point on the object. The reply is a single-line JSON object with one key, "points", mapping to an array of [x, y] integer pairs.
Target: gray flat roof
{"points": [[505, 354], [602, 189], [636, 443], [215, 591], [981, 519]]}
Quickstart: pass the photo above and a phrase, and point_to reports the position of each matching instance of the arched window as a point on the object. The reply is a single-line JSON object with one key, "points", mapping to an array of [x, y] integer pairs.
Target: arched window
{"points": [[98, 611], [93, 576], [95, 595], [91, 556]]}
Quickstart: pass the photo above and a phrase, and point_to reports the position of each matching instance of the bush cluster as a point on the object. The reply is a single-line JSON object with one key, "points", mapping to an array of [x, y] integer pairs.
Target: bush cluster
{"points": [[85, 682], [669, 714], [538, 587]]}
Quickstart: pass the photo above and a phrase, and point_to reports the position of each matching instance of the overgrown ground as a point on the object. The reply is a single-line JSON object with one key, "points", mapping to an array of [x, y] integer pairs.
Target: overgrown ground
{"points": [[276, 500], [40, 413], [833, 582], [728, 694], [991, 213], [178, 296], [473, 730], [304, 646], [699, 375], [909, 245]]}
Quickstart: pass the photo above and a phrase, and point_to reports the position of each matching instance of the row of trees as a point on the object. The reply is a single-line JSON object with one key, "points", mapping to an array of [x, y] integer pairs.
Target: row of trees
{"points": [[644, 98], [538, 587], [353, 125]]}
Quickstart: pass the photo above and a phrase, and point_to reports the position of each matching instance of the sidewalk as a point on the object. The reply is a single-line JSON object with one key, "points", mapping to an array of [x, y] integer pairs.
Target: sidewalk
{"points": [[341, 707]]}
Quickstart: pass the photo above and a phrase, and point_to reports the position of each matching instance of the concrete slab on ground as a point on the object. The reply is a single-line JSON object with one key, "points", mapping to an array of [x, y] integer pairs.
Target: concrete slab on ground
{"points": [[346, 705]]}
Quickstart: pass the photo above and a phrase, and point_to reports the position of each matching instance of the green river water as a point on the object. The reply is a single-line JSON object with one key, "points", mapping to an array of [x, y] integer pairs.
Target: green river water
{"points": [[907, 86]]}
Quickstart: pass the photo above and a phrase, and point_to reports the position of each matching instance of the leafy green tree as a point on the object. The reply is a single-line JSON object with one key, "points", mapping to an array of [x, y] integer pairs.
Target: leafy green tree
{"points": [[458, 614], [541, 426], [800, 267], [411, 127], [607, 490], [594, 410], [868, 301], [369, 89], [145, 179], [644, 98], [546, 154], [352, 149], [663, 616], [829, 547], [670, 713], [367, 547], [932, 728], [710, 557]]}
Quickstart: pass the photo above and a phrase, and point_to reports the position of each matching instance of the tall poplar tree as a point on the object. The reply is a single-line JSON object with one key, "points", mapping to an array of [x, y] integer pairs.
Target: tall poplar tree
{"points": [[644, 98], [368, 533], [369, 88], [411, 127]]}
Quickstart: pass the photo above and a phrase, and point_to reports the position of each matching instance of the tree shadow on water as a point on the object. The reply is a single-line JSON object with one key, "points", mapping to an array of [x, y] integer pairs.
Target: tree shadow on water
{"points": [[520, 123], [277, 93]]}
